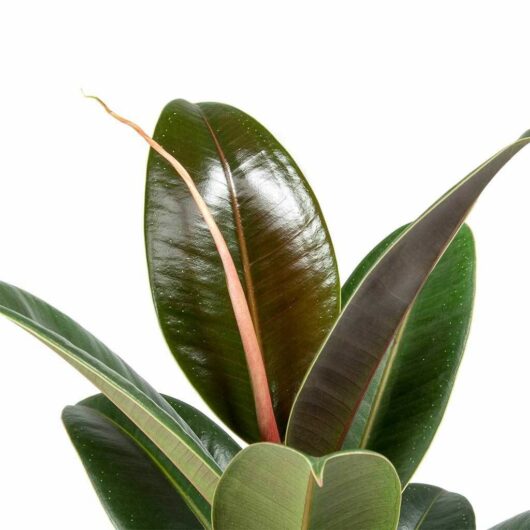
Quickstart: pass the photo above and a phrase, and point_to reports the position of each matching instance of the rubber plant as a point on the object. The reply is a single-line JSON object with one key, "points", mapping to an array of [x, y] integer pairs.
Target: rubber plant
{"points": [[338, 391]]}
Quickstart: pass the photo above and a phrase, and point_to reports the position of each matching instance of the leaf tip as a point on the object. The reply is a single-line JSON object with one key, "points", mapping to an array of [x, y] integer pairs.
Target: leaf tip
{"points": [[98, 99]]}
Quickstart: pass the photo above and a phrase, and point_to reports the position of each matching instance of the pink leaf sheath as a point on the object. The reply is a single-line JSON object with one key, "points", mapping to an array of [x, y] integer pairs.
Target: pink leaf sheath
{"points": [[256, 367]]}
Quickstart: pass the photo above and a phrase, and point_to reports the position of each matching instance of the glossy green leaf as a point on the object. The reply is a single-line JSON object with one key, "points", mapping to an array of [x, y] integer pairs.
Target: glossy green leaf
{"points": [[213, 438], [277, 488], [406, 400], [137, 485], [340, 375], [127, 390], [425, 507], [519, 522], [277, 236]]}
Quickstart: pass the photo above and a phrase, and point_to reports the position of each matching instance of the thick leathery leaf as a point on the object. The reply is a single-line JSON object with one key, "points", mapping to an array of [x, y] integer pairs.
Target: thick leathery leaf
{"points": [[425, 507], [277, 236], [337, 381], [406, 400], [134, 491], [519, 522], [277, 488], [127, 390], [138, 486]]}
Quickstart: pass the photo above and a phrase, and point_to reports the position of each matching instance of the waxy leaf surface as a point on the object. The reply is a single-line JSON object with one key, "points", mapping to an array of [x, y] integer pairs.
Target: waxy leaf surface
{"points": [[425, 507], [406, 400], [137, 485], [276, 234], [340, 375], [277, 488], [145, 407]]}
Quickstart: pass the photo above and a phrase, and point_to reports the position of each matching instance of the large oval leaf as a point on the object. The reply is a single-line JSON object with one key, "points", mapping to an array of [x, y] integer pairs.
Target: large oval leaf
{"points": [[407, 399], [277, 488], [340, 375], [125, 388], [277, 236], [519, 522], [137, 485], [425, 507]]}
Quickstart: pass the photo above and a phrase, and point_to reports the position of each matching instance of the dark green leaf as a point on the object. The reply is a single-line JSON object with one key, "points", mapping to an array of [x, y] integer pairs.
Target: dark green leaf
{"points": [[277, 236], [519, 522], [270, 486], [213, 438], [138, 486], [338, 379], [406, 400], [126, 389], [425, 507], [135, 492]]}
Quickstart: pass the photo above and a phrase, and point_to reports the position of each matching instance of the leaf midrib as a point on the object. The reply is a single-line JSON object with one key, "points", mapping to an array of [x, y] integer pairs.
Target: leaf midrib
{"points": [[240, 232], [429, 508], [306, 517]]}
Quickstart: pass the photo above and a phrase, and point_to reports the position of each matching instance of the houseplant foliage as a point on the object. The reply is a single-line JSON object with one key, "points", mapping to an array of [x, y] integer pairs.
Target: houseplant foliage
{"points": [[337, 390]]}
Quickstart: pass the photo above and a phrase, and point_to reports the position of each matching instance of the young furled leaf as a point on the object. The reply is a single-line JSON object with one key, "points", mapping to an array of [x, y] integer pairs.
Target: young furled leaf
{"points": [[266, 421]]}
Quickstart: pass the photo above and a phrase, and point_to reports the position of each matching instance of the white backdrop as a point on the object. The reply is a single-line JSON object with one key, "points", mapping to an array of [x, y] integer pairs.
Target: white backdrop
{"points": [[383, 104]]}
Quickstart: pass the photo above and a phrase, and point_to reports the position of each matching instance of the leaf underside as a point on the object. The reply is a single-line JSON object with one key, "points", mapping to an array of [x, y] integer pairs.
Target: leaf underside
{"points": [[147, 409], [340, 375], [406, 399], [275, 487]]}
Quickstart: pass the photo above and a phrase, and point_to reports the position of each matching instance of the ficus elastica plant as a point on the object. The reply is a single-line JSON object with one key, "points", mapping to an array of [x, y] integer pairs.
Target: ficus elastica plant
{"points": [[336, 389]]}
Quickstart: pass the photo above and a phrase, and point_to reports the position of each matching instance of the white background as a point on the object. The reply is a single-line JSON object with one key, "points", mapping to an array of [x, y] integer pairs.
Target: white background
{"points": [[384, 105]]}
